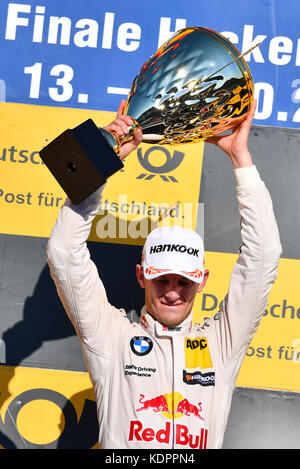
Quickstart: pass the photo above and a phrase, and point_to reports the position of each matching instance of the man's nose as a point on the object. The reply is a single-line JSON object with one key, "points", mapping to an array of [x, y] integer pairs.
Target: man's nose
{"points": [[172, 292]]}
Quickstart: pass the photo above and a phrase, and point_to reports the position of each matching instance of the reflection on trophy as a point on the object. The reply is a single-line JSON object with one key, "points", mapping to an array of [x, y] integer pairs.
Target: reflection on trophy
{"points": [[195, 86]]}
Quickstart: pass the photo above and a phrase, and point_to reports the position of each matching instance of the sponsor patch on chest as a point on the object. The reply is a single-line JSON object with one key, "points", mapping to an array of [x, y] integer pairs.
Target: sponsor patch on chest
{"points": [[197, 353], [141, 345]]}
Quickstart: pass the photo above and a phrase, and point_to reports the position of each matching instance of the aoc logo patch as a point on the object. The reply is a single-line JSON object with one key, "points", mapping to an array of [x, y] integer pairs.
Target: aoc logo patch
{"points": [[197, 353], [141, 345]]}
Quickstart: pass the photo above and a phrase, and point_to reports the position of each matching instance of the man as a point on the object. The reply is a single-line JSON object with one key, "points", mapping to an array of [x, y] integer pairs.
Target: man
{"points": [[164, 382]]}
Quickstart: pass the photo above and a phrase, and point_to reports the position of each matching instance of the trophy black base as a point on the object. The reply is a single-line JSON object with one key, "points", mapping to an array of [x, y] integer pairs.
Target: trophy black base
{"points": [[81, 160]]}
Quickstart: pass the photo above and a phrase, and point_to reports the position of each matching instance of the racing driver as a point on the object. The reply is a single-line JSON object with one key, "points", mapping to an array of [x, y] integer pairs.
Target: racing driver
{"points": [[165, 382]]}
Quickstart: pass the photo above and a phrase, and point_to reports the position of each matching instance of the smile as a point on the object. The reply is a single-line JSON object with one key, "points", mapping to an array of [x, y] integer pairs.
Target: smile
{"points": [[172, 305]]}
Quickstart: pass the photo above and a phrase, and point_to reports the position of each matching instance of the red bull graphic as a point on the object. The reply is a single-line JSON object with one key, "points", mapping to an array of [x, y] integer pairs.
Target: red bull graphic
{"points": [[158, 404], [171, 405], [186, 408]]}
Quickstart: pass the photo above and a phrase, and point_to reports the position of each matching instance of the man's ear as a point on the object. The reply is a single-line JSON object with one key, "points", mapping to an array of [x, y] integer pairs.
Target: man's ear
{"points": [[203, 283], [140, 275]]}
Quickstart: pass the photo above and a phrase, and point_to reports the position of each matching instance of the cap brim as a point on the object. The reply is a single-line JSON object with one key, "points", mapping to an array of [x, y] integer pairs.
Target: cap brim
{"points": [[151, 272]]}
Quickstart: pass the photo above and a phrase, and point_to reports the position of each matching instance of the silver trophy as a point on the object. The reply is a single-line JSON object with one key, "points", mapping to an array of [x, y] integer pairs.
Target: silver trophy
{"points": [[195, 86]]}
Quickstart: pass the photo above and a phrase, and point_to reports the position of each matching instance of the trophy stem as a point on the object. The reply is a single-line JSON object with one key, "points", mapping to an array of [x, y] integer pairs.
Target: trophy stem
{"points": [[112, 139], [115, 140]]}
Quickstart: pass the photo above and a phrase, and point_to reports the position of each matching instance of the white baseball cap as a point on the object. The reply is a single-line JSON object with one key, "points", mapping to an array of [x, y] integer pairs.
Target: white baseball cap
{"points": [[173, 250]]}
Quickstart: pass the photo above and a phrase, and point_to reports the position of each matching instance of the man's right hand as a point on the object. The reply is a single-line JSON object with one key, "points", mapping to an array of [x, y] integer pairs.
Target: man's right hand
{"points": [[120, 126]]}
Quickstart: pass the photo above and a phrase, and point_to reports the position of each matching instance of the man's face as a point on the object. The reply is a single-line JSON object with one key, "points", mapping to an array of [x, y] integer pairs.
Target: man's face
{"points": [[169, 298]]}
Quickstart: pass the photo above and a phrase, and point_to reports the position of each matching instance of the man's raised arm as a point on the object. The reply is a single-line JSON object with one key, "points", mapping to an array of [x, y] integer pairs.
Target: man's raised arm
{"points": [[74, 273], [256, 268]]}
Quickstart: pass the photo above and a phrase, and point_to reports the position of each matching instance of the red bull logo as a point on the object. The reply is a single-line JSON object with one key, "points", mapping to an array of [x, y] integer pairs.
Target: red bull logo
{"points": [[171, 405], [184, 407], [183, 437], [158, 404]]}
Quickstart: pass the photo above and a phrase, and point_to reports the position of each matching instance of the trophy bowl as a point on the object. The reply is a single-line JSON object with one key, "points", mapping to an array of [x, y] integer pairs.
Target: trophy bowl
{"points": [[195, 86]]}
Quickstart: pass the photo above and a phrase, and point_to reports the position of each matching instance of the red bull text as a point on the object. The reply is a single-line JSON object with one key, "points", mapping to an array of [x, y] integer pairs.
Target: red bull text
{"points": [[182, 436]]}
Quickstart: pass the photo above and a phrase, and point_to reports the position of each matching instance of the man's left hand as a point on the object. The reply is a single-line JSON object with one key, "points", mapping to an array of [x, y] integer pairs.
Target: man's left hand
{"points": [[236, 143]]}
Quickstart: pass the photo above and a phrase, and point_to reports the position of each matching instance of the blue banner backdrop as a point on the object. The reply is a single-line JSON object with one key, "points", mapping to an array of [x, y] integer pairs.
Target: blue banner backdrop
{"points": [[86, 53]]}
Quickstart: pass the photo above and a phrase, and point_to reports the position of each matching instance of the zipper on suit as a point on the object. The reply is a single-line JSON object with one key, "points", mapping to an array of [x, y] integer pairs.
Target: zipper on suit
{"points": [[173, 391]]}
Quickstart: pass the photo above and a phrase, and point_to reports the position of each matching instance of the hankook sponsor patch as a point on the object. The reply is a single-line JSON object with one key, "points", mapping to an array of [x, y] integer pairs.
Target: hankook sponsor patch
{"points": [[204, 379]]}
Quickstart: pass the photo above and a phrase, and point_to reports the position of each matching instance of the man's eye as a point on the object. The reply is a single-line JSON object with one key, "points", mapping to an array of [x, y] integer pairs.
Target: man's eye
{"points": [[185, 283], [161, 280]]}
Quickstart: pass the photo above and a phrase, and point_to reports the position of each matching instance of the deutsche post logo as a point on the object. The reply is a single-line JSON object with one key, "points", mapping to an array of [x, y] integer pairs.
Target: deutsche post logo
{"points": [[167, 163], [19, 428]]}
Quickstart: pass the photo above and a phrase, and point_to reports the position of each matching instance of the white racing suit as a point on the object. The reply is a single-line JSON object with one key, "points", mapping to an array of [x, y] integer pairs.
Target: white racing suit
{"points": [[160, 387]]}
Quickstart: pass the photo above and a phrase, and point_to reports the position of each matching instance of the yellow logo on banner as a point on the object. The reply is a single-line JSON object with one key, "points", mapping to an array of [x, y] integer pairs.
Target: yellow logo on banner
{"points": [[47, 409], [158, 185], [197, 353]]}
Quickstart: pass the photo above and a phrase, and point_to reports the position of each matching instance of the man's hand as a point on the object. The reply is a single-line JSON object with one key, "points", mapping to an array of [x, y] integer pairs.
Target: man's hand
{"points": [[236, 143], [120, 127]]}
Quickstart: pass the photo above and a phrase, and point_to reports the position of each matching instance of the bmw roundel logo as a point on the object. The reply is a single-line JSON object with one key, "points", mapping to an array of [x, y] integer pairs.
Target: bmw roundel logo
{"points": [[141, 345]]}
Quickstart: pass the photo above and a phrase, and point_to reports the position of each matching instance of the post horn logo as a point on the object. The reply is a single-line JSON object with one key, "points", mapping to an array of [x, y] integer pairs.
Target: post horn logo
{"points": [[170, 163]]}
